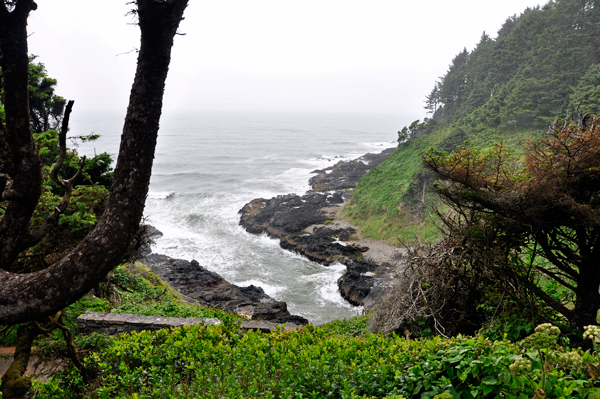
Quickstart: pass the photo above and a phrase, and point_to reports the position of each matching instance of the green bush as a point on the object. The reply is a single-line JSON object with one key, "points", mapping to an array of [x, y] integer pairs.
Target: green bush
{"points": [[220, 362]]}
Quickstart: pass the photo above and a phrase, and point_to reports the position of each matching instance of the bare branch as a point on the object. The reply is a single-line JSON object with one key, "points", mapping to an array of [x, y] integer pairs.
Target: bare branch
{"points": [[62, 142]]}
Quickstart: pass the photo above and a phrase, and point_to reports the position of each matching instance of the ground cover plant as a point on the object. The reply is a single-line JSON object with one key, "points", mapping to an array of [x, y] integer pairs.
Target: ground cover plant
{"points": [[340, 359], [313, 362], [130, 288]]}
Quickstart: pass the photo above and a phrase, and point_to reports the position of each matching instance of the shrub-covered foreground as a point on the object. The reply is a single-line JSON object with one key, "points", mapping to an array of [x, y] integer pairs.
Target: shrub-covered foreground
{"points": [[323, 362]]}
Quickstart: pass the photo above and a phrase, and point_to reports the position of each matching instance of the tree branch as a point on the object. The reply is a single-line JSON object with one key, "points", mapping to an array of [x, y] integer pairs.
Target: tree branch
{"points": [[68, 185], [555, 277]]}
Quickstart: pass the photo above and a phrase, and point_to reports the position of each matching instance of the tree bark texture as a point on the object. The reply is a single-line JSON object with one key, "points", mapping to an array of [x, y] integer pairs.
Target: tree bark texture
{"points": [[19, 159], [33, 296]]}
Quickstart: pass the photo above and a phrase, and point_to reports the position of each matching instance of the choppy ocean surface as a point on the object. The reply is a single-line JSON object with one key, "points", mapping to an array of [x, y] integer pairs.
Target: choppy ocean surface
{"points": [[208, 166]]}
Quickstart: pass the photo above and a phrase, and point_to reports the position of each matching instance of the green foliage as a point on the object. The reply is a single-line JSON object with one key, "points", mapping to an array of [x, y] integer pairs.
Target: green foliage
{"points": [[97, 170], [381, 205], [78, 220], [86, 206], [215, 362], [393, 201], [586, 96], [139, 291], [512, 326], [45, 107], [524, 77], [542, 64], [142, 297], [354, 327]]}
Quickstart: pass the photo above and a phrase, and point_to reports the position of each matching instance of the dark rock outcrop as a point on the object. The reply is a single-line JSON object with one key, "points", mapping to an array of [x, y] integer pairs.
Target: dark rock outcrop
{"points": [[288, 217], [357, 282], [324, 246], [345, 174], [210, 289], [288, 214], [365, 283]]}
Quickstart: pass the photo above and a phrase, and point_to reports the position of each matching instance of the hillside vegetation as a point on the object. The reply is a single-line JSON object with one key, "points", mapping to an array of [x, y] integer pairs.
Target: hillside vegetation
{"points": [[543, 64], [336, 360]]}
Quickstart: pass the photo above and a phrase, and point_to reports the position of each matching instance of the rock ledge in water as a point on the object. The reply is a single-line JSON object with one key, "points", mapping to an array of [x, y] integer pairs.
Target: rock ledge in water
{"points": [[210, 289], [302, 225]]}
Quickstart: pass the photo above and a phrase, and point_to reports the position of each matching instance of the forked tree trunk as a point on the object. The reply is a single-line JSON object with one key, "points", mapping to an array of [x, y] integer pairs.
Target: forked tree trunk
{"points": [[33, 296]]}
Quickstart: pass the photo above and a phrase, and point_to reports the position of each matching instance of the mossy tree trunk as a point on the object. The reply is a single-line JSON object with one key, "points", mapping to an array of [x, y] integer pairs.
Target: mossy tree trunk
{"points": [[14, 384]]}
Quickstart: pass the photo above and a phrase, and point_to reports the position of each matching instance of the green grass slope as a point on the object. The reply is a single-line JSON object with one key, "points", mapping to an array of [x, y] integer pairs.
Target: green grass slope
{"points": [[393, 202], [386, 202]]}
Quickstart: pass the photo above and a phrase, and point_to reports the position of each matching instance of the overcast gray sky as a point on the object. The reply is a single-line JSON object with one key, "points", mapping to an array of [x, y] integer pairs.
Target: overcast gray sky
{"points": [[369, 56]]}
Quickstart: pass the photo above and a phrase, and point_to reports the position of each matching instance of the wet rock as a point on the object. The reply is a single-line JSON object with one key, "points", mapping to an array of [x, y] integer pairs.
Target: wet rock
{"points": [[287, 217], [345, 174], [356, 284], [365, 283], [322, 246], [288, 214], [210, 289], [152, 231]]}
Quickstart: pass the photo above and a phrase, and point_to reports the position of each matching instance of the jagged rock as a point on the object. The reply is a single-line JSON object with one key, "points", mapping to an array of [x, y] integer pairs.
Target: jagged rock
{"points": [[152, 231], [345, 174], [321, 246], [356, 284], [210, 289], [365, 283], [288, 214], [287, 217]]}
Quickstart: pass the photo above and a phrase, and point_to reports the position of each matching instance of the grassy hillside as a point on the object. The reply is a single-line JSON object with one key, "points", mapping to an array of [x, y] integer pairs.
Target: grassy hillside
{"points": [[393, 202], [542, 65]]}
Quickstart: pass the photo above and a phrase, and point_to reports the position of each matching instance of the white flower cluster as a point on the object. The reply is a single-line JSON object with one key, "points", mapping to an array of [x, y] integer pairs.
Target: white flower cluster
{"points": [[544, 338], [591, 332], [571, 359], [547, 329], [520, 365]]}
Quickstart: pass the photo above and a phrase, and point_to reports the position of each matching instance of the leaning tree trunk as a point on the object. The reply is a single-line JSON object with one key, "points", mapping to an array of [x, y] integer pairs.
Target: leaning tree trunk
{"points": [[33, 296]]}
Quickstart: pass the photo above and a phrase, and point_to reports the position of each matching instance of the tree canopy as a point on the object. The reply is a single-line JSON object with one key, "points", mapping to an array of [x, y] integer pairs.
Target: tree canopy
{"points": [[526, 76]]}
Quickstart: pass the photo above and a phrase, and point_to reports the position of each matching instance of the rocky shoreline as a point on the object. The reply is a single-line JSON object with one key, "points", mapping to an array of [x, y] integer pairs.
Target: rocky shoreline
{"points": [[308, 225], [197, 283]]}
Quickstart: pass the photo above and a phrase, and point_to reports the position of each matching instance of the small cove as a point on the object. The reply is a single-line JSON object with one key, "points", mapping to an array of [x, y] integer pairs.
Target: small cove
{"points": [[208, 166]]}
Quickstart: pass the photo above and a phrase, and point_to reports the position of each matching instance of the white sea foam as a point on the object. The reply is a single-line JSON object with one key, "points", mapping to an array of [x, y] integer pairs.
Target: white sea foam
{"points": [[159, 194], [207, 168]]}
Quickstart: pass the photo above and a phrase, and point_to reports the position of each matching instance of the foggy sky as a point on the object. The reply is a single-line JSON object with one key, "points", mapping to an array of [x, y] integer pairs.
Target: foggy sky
{"points": [[370, 56]]}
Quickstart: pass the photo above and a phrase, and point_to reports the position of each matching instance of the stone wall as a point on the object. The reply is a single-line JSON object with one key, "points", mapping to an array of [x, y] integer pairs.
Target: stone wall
{"points": [[114, 323]]}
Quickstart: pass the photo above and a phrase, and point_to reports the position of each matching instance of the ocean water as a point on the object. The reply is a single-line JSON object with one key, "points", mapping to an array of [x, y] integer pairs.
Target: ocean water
{"points": [[208, 166]]}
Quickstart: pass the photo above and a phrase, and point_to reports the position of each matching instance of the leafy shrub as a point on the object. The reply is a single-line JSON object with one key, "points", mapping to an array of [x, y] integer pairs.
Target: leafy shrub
{"points": [[220, 362]]}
